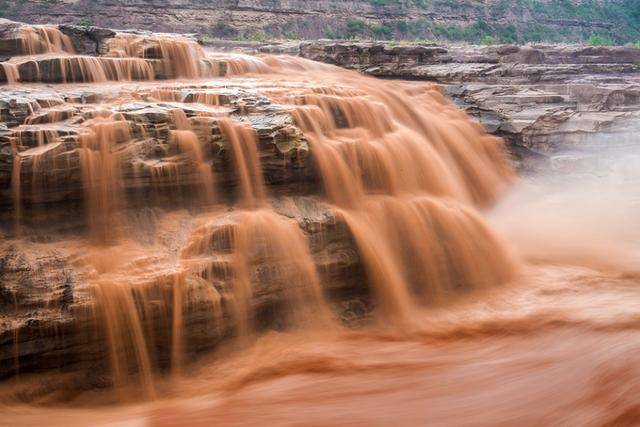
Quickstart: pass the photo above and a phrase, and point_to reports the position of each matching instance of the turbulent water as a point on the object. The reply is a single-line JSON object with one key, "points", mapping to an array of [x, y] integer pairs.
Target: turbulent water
{"points": [[520, 314]]}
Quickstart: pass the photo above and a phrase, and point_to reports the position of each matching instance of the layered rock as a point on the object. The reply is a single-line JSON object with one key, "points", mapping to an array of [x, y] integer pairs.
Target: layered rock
{"points": [[45, 318], [48, 309], [73, 54], [50, 150], [88, 40], [460, 63], [547, 101], [311, 19]]}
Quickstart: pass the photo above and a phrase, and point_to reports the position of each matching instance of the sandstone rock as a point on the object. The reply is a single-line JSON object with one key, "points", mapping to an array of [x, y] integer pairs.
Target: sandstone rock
{"points": [[490, 64], [87, 40], [9, 39], [543, 99], [41, 331], [307, 19]]}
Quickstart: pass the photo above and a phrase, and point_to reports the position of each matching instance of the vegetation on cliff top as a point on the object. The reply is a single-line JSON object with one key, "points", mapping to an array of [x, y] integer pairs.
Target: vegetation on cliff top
{"points": [[596, 22]]}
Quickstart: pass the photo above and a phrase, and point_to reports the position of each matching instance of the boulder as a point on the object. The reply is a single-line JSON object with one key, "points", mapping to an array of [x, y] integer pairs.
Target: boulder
{"points": [[87, 40], [10, 39]]}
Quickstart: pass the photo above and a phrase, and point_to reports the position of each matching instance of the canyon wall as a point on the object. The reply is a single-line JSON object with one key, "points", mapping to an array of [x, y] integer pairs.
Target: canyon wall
{"points": [[470, 20]]}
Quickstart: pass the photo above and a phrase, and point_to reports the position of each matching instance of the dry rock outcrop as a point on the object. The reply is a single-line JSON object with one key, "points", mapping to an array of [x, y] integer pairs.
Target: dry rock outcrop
{"points": [[571, 101]]}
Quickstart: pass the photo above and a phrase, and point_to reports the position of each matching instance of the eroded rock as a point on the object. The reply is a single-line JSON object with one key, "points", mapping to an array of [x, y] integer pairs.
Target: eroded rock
{"points": [[545, 100]]}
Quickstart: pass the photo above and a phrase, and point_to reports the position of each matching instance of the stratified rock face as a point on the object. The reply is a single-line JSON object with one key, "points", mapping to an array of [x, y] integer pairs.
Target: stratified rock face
{"points": [[73, 54], [9, 37], [164, 144], [547, 101], [536, 63], [460, 20], [88, 40], [46, 296]]}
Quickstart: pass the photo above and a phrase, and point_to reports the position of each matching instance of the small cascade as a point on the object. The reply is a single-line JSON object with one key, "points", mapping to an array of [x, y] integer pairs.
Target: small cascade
{"points": [[177, 322], [243, 143], [44, 39], [118, 314], [35, 135], [262, 236], [188, 143], [126, 69], [11, 72], [16, 191], [33, 147], [207, 98], [80, 69], [54, 114], [166, 95], [179, 56], [239, 64], [100, 174]]}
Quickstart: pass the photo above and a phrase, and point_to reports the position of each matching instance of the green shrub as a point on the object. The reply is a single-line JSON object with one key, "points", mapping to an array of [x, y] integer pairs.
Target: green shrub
{"points": [[488, 40], [402, 26], [598, 40], [329, 34], [291, 35], [260, 37], [222, 29], [507, 33], [380, 30], [355, 26]]}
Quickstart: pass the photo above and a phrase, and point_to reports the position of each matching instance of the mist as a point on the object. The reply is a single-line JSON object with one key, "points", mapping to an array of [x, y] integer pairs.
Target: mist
{"points": [[584, 211]]}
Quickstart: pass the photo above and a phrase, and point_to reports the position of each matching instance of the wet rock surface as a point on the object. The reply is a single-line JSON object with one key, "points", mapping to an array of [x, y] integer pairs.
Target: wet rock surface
{"points": [[88, 40], [49, 136], [136, 193], [47, 307]]}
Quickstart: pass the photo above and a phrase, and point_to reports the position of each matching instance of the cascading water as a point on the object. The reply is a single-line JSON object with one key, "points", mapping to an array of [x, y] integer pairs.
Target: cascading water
{"points": [[387, 168], [44, 39], [218, 213], [403, 184], [100, 174], [48, 55], [189, 143]]}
